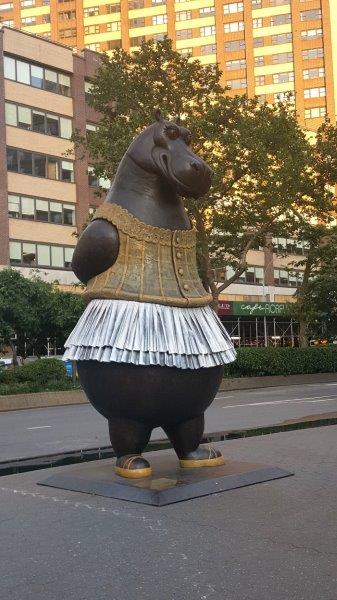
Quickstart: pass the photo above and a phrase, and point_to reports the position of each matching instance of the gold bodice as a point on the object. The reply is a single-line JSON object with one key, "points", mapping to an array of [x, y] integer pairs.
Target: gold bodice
{"points": [[153, 264]]}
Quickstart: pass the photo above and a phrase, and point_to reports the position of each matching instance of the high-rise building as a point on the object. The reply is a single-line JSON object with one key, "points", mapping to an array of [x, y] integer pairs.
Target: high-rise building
{"points": [[45, 194], [264, 47]]}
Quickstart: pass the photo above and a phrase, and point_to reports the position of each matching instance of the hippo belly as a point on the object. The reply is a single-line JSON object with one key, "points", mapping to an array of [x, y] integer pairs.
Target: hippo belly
{"points": [[154, 395]]}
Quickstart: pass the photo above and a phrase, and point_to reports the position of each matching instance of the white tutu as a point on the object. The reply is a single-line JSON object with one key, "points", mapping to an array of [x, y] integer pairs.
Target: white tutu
{"points": [[150, 334]]}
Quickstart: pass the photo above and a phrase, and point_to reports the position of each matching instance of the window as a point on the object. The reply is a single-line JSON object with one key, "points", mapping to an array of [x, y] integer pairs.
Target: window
{"points": [[259, 61], [91, 29], [289, 246], [283, 57], [133, 4], [137, 41], [315, 92], [184, 15], [287, 278], [26, 21], [91, 127], [140, 22], [184, 34], [207, 11], [67, 33], [46, 18], [261, 98], [156, 2], [6, 6], [236, 64], [36, 120], [311, 34], [257, 23], [233, 7], [315, 113], [206, 31], [279, 2], [313, 73], [95, 181], [284, 96], [91, 11], [27, 3], [40, 255], [39, 165], [311, 15], [312, 53], [251, 275], [36, 76], [208, 49], [159, 19], [235, 45], [235, 84], [38, 209], [260, 80], [234, 26], [185, 51], [7, 23], [67, 15], [113, 8], [113, 44], [113, 26], [256, 4], [258, 42], [283, 77], [280, 19], [281, 38]]}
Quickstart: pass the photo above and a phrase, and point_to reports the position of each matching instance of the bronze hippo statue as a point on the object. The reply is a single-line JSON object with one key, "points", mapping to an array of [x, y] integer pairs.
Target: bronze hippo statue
{"points": [[150, 351]]}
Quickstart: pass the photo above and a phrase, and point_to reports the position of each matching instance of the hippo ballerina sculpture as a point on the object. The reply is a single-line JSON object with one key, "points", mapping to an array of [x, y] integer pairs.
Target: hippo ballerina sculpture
{"points": [[149, 349]]}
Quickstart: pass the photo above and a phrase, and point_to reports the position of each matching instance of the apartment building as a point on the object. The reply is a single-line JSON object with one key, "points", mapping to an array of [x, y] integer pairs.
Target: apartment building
{"points": [[45, 193], [264, 47]]}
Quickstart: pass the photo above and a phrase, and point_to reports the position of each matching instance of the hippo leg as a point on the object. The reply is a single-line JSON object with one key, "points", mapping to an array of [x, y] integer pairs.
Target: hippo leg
{"points": [[186, 437], [129, 438]]}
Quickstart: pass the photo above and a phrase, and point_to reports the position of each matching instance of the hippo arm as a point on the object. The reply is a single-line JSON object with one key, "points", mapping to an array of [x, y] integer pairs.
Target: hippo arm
{"points": [[96, 250]]}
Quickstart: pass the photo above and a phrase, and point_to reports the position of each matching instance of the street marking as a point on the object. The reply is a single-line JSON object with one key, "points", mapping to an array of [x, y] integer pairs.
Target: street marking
{"points": [[223, 397], [40, 427], [310, 399]]}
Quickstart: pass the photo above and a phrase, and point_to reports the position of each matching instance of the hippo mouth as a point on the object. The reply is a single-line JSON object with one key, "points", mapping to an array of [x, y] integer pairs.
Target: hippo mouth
{"points": [[163, 163]]}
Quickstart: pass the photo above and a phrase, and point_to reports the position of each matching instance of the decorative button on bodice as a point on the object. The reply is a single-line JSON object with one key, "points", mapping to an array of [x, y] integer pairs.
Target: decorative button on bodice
{"points": [[178, 255], [186, 287], [181, 271]]}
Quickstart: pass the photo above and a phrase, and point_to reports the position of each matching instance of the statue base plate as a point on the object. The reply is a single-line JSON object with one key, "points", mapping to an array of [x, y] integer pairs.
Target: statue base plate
{"points": [[168, 483]]}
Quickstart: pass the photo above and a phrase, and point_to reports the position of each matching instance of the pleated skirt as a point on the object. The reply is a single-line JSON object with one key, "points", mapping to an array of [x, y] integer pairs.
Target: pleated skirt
{"points": [[150, 334]]}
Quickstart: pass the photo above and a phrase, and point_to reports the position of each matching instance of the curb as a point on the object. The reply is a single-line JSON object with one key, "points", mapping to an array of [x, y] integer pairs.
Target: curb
{"points": [[69, 397]]}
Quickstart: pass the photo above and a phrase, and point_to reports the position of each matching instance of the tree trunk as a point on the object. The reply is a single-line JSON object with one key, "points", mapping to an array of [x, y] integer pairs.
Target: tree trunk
{"points": [[303, 333]]}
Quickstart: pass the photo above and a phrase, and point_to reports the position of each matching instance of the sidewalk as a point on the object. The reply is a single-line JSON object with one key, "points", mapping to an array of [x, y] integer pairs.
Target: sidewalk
{"points": [[272, 541], [46, 399]]}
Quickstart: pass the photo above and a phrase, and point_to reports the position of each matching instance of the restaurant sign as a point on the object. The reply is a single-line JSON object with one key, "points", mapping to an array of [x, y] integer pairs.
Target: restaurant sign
{"points": [[253, 309]]}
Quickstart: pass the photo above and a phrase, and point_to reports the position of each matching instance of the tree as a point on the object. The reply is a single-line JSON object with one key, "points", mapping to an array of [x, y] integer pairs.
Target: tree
{"points": [[269, 175], [32, 310]]}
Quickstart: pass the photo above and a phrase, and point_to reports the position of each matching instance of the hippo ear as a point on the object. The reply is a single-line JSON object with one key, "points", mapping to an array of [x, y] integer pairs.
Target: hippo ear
{"points": [[177, 120], [158, 115]]}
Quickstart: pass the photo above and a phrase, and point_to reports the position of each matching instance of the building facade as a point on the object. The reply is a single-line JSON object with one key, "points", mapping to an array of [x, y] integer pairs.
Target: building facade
{"points": [[46, 192], [264, 47]]}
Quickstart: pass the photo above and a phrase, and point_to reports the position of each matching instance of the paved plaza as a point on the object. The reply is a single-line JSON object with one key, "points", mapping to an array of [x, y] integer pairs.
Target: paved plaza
{"points": [[271, 541]]}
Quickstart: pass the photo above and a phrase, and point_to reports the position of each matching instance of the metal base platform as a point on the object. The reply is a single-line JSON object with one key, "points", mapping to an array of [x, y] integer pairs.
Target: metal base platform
{"points": [[168, 484]]}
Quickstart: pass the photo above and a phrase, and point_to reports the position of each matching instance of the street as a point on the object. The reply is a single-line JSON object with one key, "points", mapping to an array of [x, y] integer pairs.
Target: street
{"points": [[37, 432]]}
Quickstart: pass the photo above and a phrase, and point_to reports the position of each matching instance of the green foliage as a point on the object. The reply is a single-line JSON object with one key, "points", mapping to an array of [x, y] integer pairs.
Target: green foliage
{"points": [[29, 387], [256, 362], [33, 310], [40, 371]]}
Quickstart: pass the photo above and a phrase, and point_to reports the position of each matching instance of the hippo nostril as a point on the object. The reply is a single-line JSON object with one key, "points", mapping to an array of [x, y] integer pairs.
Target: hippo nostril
{"points": [[195, 165]]}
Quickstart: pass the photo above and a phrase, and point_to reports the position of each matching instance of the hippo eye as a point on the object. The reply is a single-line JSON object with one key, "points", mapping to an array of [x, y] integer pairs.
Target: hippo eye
{"points": [[172, 133]]}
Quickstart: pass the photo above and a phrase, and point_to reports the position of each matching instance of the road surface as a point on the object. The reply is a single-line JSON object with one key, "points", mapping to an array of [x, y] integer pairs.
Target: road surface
{"points": [[38, 432]]}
